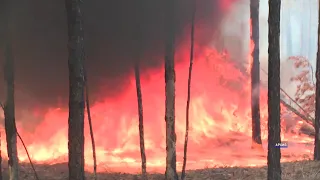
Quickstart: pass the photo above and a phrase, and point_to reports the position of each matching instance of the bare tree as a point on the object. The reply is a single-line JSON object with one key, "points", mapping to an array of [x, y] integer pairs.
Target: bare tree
{"points": [[9, 106], [317, 113], [274, 154], [91, 129], [1, 177], [76, 89], [171, 169], [141, 129], [2, 35], [183, 174], [9, 115], [137, 54], [255, 75]]}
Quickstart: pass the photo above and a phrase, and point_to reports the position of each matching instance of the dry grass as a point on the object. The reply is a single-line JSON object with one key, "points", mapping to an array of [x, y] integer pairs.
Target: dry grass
{"points": [[302, 170]]}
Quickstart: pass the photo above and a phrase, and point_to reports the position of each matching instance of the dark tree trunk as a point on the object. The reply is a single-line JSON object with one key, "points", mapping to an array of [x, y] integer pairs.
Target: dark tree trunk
{"points": [[274, 155], [9, 106], [255, 75], [317, 114], [141, 129], [138, 55], [2, 16], [183, 173], [94, 156], [171, 169], [9, 114], [1, 177], [76, 89]]}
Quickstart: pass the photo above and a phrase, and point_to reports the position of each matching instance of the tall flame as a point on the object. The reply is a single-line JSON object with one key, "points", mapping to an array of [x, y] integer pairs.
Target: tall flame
{"points": [[220, 117]]}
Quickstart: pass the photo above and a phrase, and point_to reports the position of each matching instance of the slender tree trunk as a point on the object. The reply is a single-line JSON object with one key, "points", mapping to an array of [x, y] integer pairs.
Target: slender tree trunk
{"points": [[76, 89], [9, 106], [1, 177], [2, 35], [141, 129], [317, 113], [91, 129], [171, 169], [255, 75], [274, 155], [183, 173], [9, 115], [137, 56]]}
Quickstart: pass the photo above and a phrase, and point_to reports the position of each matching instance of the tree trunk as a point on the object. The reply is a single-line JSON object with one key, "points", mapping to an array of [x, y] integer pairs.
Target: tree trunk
{"points": [[255, 75], [94, 156], [140, 113], [137, 56], [171, 169], [274, 155], [183, 173], [9, 114], [76, 89], [317, 113], [9, 106], [1, 177]]}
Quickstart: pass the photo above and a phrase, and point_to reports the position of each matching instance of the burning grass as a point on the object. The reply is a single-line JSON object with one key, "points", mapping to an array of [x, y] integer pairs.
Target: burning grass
{"points": [[306, 170]]}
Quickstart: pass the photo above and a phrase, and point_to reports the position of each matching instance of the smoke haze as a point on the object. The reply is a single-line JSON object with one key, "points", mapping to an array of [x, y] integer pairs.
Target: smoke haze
{"points": [[111, 28]]}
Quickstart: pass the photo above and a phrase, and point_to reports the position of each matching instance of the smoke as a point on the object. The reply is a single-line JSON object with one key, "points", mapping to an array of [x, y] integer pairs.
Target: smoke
{"points": [[235, 31], [111, 43]]}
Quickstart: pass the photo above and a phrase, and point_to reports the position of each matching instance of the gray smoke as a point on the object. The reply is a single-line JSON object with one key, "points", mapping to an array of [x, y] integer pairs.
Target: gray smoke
{"points": [[111, 28]]}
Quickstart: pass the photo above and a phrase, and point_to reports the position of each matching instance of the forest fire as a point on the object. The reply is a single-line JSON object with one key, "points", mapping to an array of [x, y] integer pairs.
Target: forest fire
{"points": [[220, 121], [220, 133]]}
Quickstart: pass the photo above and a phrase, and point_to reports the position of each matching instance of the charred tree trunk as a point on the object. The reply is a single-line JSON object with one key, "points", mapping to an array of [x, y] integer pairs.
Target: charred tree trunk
{"points": [[171, 169], [91, 129], [9, 106], [76, 89], [183, 173], [138, 55], [1, 177], [255, 75], [9, 115], [141, 129], [274, 155], [317, 113]]}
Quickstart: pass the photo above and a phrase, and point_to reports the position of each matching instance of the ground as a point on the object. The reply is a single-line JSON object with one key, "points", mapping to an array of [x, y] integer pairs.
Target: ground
{"points": [[306, 170]]}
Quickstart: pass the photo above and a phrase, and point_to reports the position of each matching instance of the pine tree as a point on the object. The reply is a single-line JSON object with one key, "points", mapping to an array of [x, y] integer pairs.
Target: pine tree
{"points": [[171, 169], [255, 75], [76, 89], [317, 113], [274, 154], [9, 106]]}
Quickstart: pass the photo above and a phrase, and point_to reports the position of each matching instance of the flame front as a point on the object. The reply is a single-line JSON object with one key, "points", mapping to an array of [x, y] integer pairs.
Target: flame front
{"points": [[220, 122]]}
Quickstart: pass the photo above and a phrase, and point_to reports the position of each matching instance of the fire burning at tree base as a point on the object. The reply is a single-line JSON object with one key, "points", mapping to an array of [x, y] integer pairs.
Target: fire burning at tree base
{"points": [[220, 129], [220, 112]]}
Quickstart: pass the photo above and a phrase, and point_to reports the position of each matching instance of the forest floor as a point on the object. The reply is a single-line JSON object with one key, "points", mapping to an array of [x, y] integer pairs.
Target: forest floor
{"points": [[306, 170]]}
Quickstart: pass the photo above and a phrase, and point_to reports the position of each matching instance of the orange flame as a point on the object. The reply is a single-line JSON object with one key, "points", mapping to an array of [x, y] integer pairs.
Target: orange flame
{"points": [[220, 117]]}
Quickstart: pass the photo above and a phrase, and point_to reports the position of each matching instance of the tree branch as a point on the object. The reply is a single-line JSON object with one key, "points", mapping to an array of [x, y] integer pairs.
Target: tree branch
{"points": [[305, 117], [34, 170], [25, 147]]}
